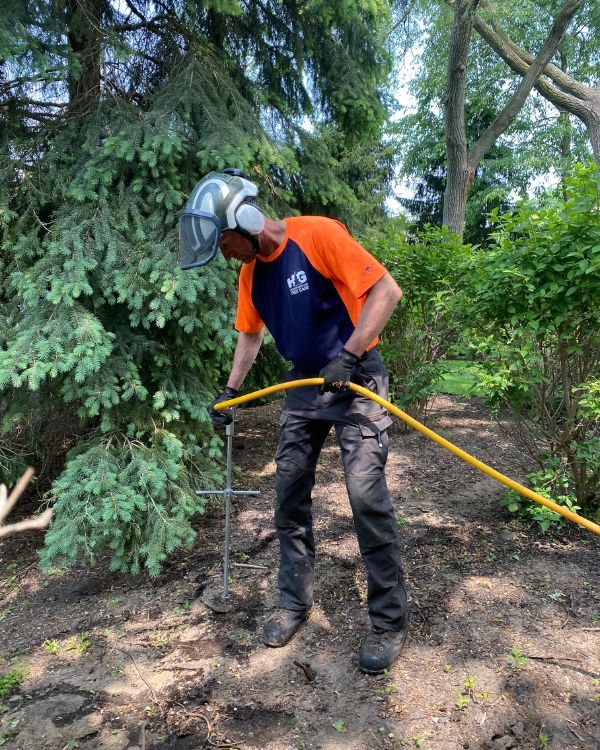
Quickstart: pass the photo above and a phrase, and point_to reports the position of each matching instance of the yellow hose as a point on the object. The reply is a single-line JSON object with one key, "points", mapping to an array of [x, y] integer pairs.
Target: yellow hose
{"points": [[430, 434]]}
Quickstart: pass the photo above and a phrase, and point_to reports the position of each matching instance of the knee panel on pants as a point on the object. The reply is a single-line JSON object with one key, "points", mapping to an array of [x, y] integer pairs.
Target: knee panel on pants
{"points": [[293, 487], [373, 516]]}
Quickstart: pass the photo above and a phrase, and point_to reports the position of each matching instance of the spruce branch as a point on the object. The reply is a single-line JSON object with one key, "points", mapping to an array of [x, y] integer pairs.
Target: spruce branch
{"points": [[153, 24]]}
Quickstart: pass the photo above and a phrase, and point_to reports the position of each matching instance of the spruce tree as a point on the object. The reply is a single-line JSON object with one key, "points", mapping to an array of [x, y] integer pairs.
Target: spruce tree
{"points": [[109, 114]]}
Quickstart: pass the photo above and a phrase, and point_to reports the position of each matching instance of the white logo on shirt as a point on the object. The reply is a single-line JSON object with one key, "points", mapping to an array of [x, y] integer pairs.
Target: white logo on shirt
{"points": [[297, 282]]}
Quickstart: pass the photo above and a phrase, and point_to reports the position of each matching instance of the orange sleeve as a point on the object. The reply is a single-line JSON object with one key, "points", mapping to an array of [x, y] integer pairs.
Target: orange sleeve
{"points": [[339, 257], [247, 319], [346, 259]]}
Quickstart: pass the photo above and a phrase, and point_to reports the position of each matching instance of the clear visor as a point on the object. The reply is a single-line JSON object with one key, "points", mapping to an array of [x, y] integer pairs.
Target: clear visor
{"points": [[199, 235]]}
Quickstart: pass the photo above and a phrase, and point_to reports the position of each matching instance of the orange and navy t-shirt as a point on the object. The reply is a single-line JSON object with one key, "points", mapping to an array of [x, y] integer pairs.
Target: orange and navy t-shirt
{"points": [[309, 292]]}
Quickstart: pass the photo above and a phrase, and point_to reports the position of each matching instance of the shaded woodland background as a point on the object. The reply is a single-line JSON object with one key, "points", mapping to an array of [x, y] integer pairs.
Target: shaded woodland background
{"points": [[110, 113]]}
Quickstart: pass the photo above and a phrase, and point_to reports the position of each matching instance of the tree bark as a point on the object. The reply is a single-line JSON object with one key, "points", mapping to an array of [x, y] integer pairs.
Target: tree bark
{"points": [[459, 179], [84, 35], [462, 165], [565, 140], [565, 93]]}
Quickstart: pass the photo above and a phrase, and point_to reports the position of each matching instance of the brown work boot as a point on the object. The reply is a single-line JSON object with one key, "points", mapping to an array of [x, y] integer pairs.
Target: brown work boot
{"points": [[283, 625]]}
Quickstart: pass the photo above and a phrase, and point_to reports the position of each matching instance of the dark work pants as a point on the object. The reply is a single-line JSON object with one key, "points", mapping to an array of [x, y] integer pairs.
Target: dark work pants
{"points": [[360, 426]]}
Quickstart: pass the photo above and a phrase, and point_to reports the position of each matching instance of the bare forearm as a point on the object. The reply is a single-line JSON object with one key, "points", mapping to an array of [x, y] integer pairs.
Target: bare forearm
{"points": [[381, 300], [246, 350]]}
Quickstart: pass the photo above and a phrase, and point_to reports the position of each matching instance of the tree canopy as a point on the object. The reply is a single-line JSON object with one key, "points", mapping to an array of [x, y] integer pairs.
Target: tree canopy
{"points": [[539, 141]]}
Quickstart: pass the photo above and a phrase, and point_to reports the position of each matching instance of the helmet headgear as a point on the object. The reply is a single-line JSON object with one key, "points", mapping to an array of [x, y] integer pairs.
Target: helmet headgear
{"points": [[220, 201]]}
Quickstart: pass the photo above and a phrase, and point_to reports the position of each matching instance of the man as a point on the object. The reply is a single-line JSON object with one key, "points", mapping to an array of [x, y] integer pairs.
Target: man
{"points": [[325, 300]]}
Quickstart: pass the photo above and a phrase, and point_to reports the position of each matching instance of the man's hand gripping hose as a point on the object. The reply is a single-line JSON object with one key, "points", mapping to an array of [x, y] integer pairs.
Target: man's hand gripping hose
{"points": [[336, 375], [222, 404]]}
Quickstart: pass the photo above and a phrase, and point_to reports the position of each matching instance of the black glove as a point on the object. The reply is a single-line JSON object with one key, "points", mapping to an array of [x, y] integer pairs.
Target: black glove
{"points": [[222, 417], [337, 373]]}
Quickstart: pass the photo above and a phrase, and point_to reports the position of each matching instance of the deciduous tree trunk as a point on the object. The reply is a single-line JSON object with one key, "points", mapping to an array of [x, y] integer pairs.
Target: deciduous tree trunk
{"points": [[462, 164], [459, 176], [565, 140]]}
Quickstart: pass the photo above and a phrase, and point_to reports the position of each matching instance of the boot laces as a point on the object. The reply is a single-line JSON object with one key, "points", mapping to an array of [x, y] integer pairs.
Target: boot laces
{"points": [[378, 637], [280, 614]]}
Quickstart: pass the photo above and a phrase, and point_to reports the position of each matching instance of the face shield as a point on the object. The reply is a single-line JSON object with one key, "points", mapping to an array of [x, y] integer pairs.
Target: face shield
{"points": [[199, 236]]}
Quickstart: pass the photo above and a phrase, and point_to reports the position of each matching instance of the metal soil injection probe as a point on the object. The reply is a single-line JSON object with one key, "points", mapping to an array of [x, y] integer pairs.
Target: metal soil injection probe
{"points": [[228, 492]]}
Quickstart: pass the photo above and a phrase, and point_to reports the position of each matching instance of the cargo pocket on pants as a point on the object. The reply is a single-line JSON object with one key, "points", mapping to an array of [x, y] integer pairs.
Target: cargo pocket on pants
{"points": [[376, 425]]}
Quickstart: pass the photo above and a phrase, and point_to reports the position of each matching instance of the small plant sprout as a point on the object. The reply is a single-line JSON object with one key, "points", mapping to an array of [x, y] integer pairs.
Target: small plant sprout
{"points": [[160, 639], [338, 725], [51, 647], [516, 656], [81, 643], [9, 680], [463, 701], [447, 668]]}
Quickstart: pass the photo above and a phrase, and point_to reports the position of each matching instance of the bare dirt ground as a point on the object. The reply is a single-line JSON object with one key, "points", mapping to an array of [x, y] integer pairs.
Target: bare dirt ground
{"points": [[504, 650]]}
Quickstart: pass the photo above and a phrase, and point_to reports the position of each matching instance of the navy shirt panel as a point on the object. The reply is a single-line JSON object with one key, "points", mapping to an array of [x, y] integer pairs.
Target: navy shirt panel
{"points": [[301, 308]]}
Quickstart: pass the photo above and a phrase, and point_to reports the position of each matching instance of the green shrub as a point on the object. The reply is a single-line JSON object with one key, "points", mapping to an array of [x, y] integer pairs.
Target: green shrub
{"points": [[551, 482], [425, 324], [534, 300]]}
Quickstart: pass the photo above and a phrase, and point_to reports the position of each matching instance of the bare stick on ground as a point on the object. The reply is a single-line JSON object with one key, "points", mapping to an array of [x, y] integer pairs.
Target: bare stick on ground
{"points": [[304, 667], [7, 503]]}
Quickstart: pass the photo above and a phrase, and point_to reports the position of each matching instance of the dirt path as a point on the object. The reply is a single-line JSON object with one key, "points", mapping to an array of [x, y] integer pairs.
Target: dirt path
{"points": [[116, 662]]}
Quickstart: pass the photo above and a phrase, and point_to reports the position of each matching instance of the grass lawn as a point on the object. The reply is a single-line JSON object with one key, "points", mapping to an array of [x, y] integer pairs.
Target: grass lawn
{"points": [[459, 381]]}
